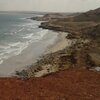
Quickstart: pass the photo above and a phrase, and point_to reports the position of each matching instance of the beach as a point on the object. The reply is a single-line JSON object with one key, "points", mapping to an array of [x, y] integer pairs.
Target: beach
{"points": [[51, 42], [62, 64], [60, 44]]}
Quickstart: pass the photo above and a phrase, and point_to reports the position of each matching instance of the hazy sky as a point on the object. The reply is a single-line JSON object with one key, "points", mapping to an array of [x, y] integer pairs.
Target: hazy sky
{"points": [[49, 5]]}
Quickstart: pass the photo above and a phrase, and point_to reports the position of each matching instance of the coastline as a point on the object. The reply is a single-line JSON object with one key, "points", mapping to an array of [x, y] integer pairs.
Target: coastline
{"points": [[67, 69], [29, 56], [59, 44]]}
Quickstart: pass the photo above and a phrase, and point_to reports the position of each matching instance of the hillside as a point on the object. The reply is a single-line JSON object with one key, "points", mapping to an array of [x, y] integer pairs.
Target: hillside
{"points": [[73, 84], [92, 15]]}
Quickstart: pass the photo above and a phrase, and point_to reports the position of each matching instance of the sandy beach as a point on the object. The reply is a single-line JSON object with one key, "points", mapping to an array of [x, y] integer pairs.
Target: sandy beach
{"points": [[61, 43]]}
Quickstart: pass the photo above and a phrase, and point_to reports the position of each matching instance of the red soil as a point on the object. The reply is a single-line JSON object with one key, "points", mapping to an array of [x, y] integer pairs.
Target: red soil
{"points": [[65, 85]]}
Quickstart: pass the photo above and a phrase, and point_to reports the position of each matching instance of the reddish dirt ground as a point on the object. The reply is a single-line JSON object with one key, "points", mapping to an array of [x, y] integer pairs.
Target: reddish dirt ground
{"points": [[65, 85]]}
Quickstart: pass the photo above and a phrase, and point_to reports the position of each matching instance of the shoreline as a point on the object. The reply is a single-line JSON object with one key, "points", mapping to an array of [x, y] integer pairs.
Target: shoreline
{"points": [[40, 68], [29, 56]]}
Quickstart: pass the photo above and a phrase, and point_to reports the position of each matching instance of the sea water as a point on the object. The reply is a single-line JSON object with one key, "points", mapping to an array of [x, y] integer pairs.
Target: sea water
{"points": [[17, 32]]}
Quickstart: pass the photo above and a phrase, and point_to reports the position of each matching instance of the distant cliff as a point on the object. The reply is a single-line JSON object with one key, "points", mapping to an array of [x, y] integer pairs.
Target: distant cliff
{"points": [[54, 16], [48, 17], [85, 23]]}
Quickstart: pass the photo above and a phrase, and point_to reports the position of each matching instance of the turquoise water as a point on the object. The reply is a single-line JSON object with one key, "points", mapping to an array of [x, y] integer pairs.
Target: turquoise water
{"points": [[16, 33]]}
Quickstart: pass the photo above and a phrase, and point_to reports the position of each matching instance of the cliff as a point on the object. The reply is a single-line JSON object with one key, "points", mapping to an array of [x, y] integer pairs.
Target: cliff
{"points": [[48, 17]]}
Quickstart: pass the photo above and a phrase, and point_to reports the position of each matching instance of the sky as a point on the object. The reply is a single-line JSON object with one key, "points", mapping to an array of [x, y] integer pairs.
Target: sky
{"points": [[49, 5]]}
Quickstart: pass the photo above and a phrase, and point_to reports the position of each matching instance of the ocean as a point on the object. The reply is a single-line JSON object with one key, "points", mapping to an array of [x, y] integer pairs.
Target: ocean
{"points": [[17, 33]]}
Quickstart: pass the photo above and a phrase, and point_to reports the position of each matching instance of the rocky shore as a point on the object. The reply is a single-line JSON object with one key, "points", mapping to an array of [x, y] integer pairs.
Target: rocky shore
{"points": [[84, 36]]}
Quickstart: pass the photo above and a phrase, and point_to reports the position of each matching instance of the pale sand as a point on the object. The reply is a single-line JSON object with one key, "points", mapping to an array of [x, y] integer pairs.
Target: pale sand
{"points": [[61, 43]]}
